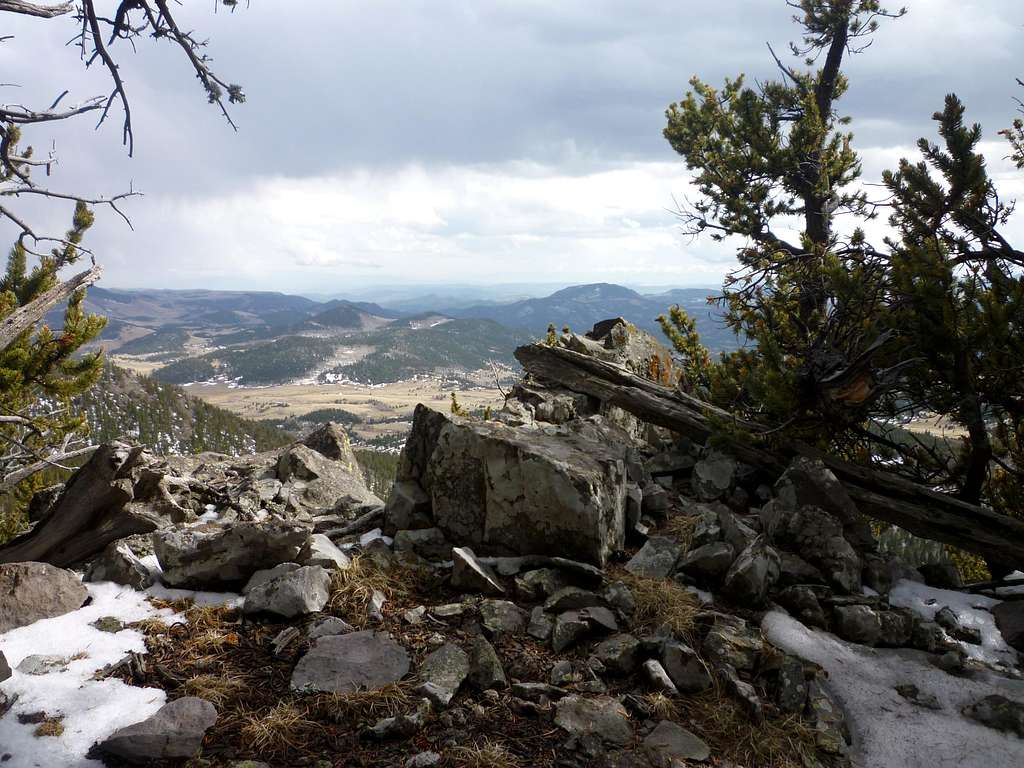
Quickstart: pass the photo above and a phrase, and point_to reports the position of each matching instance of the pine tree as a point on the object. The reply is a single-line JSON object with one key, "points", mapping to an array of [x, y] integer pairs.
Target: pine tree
{"points": [[846, 336]]}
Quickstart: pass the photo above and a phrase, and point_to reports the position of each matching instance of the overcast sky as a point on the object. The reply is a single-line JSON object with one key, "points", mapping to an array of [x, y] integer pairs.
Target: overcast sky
{"points": [[435, 141]]}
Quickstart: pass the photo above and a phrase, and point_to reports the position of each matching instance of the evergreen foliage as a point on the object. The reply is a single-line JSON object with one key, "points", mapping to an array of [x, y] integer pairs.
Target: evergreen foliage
{"points": [[846, 337], [40, 373]]}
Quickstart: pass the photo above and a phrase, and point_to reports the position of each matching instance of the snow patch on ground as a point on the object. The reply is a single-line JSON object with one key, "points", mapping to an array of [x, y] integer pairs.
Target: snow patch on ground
{"points": [[92, 709], [887, 729], [972, 610]]}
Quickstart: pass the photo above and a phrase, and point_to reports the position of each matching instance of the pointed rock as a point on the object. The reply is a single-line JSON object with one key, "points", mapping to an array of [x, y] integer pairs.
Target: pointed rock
{"points": [[470, 575]]}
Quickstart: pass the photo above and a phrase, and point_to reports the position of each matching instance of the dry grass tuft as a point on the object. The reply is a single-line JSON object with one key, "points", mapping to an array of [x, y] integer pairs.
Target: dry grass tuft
{"points": [[352, 588], [51, 726], [680, 528], [786, 742], [216, 689], [661, 706], [151, 626], [490, 754], [662, 601], [388, 701], [272, 732]]}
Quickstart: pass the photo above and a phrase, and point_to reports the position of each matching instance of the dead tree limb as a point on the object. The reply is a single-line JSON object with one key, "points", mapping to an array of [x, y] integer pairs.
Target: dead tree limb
{"points": [[26, 317], [879, 494], [92, 511]]}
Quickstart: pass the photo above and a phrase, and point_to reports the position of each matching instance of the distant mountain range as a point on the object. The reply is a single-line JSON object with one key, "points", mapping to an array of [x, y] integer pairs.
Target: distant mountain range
{"points": [[261, 338], [581, 306]]}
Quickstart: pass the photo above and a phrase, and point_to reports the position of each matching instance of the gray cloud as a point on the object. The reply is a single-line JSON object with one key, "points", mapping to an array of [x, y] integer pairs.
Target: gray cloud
{"points": [[486, 89]]}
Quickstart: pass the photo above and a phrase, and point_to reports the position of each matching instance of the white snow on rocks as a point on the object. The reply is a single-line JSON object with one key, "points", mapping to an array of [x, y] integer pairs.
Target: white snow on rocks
{"points": [[889, 730], [972, 610]]}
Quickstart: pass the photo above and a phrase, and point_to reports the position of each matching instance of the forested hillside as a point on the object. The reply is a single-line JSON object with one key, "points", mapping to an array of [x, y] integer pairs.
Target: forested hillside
{"points": [[165, 419]]}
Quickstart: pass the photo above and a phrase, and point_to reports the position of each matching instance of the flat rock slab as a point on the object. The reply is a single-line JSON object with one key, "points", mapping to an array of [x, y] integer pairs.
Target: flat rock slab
{"points": [[672, 741], [359, 661], [30, 592], [175, 731], [602, 716]]}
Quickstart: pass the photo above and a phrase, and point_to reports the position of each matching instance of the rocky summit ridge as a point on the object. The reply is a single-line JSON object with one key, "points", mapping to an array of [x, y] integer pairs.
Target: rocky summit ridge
{"points": [[562, 584]]}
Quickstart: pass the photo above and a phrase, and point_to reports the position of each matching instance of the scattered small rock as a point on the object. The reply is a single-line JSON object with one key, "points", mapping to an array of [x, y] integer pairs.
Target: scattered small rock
{"points": [[669, 741]]}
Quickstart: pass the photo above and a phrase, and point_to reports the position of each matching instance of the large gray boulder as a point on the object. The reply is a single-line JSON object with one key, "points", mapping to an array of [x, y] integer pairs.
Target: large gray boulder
{"points": [[175, 732], [213, 555], [358, 661], [30, 592], [506, 490], [288, 590]]}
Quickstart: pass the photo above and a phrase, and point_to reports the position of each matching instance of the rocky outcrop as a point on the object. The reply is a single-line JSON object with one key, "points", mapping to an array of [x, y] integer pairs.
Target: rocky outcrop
{"points": [[506, 490], [33, 591]]}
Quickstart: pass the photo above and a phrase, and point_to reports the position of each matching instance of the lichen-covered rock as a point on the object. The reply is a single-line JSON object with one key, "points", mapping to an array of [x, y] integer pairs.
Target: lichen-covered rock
{"points": [[817, 537], [288, 590], [319, 482], [802, 603], [808, 482], [657, 558], [752, 574], [713, 476], [602, 717], [442, 672], [501, 617], [620, 654], [501, 489], [30, 592], [857, 623], [485, 669], [685, 668], [175, 732], [670, 742], [708, 563], [212, 555]]}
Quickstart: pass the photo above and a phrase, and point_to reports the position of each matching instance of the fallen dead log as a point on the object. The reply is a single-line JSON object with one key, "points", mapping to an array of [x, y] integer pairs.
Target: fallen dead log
{"points": [[879, 494], [92, 511]]}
